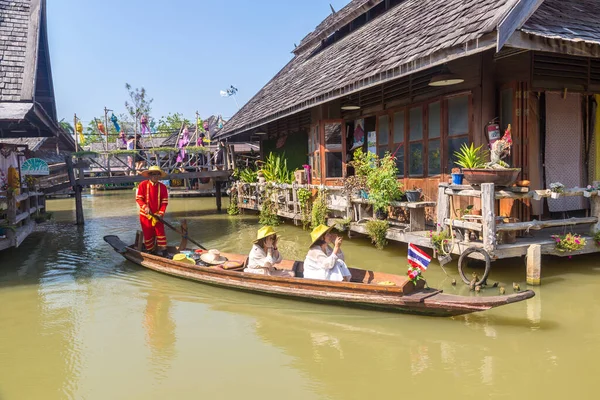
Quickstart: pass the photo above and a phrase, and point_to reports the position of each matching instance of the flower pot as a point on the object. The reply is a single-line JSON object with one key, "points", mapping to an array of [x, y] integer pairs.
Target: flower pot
{"points": [[413, 195], [587, 194], [499, 177], [475, 211], [457, 179], [380, 214], [555, 195]]}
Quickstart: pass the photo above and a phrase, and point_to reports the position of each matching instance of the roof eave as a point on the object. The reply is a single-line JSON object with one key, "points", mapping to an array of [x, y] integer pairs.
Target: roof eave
{"points": [[484, 43]]}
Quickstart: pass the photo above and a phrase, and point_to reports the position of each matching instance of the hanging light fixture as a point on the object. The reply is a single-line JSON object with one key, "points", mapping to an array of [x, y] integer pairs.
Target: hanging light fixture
{"points": [[445, 78], [260, 131], [350, 104]]}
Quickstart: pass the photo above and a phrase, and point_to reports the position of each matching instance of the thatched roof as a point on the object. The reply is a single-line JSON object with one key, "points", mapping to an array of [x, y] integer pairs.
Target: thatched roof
{"points": [[413, 36], [572, 20], [27, 104]]}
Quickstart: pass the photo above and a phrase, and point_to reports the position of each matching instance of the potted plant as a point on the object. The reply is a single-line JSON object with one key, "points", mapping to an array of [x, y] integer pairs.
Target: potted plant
{"points": [[413, 195], [569, 242], [477, 170], [556, 189], [588, 191], [457, 176]]}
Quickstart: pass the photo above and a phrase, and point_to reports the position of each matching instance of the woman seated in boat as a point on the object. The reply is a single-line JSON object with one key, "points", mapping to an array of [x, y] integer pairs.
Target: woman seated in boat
{"points": [[265, 255], [323, 262]]}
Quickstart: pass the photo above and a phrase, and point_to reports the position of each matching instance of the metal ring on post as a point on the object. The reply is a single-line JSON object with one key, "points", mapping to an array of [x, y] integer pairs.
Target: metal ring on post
{"points": [[486, 258]]}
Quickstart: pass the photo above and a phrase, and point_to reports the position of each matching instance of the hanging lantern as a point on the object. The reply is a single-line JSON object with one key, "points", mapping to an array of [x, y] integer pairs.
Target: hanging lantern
{"points": [[144, 124], [115, 121], [101, 128], [79, 127]]}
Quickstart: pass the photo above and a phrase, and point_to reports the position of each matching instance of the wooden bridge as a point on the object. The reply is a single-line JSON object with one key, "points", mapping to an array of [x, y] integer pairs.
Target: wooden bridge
{"points": [[85, 169]]}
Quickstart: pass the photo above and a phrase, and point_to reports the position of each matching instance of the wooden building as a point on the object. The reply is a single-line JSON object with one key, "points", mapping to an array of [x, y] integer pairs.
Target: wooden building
{"points": [[420, 78], [28, 122]]}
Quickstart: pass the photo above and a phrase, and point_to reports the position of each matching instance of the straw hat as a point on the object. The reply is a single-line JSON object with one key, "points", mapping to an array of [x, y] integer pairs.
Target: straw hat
{"points": [[264, 232], [213, 257], [183, 258], [318, 232], [154, 168]]}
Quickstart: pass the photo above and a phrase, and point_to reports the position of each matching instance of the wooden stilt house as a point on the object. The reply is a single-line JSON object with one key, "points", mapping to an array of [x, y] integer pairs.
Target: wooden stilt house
{"points": [[27, 113], [420, 78]]}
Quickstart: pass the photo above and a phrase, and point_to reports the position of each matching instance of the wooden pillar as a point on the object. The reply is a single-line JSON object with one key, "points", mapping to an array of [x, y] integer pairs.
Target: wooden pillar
{"points": [[218, 194], [595, 211], [77, 188], [534, 264], [443, 207], [417, 219], [489, 217]]}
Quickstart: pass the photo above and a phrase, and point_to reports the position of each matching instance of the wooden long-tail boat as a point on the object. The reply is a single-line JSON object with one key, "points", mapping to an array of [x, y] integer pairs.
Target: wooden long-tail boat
{"points": [[367, 289]]}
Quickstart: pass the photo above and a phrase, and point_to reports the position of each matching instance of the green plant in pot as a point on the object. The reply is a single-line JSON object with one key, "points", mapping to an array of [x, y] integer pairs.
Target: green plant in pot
{"points": [[383, 183]]}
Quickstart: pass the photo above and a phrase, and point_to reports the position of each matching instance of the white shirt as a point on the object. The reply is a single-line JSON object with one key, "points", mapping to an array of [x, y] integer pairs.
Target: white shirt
{"points": [[259, 262], [318, 263]]}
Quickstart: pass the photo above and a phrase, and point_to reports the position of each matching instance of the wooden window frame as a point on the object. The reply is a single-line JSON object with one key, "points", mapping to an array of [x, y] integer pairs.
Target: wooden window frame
{"points": [[316, 150], [446, 131], [323, 151]]}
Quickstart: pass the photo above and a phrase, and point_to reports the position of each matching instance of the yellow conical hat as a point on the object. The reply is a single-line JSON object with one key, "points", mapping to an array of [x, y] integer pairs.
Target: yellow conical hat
{"points": [[264, 232], [318, 232]]}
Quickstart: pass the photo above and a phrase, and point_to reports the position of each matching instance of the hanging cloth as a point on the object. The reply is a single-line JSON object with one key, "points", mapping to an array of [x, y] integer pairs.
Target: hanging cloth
{"points": [[564, 148]]}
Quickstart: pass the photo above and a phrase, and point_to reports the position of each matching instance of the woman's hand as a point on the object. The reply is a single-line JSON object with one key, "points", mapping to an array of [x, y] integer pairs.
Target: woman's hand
{"points": [[338, 244]]}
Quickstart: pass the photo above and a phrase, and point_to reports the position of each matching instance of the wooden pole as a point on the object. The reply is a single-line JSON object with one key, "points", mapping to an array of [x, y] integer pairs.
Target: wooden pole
{"points": [[595, 208], [489, 217], [218, 194], [77, 188], [443, 207], [534, 264], [75, 131]]}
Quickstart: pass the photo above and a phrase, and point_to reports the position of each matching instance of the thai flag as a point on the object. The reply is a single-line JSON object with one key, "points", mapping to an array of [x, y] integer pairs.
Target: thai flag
{"points": [[417, 257]]}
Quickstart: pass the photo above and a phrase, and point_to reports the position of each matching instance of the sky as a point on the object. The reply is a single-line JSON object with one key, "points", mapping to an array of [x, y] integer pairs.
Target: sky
{"points": [[183, 52]]}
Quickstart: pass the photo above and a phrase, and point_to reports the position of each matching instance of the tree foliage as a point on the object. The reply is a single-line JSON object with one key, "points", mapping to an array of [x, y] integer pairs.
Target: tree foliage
{"points": [[139, 104], [171, 124]]}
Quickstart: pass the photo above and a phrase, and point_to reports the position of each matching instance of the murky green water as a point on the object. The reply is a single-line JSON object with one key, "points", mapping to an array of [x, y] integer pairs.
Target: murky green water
{"points": [[77, 321]]}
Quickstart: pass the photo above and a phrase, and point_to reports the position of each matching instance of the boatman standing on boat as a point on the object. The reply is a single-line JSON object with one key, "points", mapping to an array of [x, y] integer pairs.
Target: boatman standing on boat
{"points": [[153, 198]]}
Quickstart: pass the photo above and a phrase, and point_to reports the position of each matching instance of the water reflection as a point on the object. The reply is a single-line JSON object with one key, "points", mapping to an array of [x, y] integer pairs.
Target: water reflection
{"points": [[159, 327]]}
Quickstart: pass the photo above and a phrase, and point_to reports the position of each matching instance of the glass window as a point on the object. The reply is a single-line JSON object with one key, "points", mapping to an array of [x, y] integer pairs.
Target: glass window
{"points": [[458, 116], [434, 155], [434, 120], [454, 144], [384, 130], [382, 150], [400, 160], [415, 159], [334, 164], [416, 123], [333, 137], [399, 127]]}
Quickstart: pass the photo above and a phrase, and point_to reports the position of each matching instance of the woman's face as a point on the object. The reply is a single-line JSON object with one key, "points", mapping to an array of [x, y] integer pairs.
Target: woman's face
{"points": [[330, 237]]}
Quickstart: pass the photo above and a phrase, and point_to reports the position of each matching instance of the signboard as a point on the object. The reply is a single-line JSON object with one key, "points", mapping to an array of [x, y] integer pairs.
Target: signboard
{"points": [[35, 166]]}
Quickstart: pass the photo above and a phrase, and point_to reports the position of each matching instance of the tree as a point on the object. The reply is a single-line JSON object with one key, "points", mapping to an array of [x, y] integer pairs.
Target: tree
{"points": [[138, 105], [172, 124]]}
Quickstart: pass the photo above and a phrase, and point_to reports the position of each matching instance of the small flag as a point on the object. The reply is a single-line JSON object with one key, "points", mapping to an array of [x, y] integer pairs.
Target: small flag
{"points": [[224, 93], [417, 257]]}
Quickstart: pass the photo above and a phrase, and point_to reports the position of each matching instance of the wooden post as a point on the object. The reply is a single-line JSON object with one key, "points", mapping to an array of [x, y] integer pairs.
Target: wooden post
{"points": [[297, 207], [443, 207], [417, 219], [75, 130], [489, 217], [534, 264], [595, 210], [218, 194], [240, 196], [77, 189]]}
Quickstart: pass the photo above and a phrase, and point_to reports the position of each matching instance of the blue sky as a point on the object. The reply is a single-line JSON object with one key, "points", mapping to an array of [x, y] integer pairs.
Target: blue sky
{"points": [[182, 51]]}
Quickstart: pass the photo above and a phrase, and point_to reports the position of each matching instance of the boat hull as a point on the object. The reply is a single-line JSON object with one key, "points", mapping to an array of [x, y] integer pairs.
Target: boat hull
{"points": [[401, 298]]}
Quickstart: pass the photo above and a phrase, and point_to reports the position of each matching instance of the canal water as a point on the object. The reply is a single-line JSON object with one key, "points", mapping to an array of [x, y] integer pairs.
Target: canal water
{"points": [[77, 321]]}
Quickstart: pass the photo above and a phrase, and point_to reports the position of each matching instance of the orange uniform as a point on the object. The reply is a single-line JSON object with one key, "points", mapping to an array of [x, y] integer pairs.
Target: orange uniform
{"points": [[156, 197]]}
